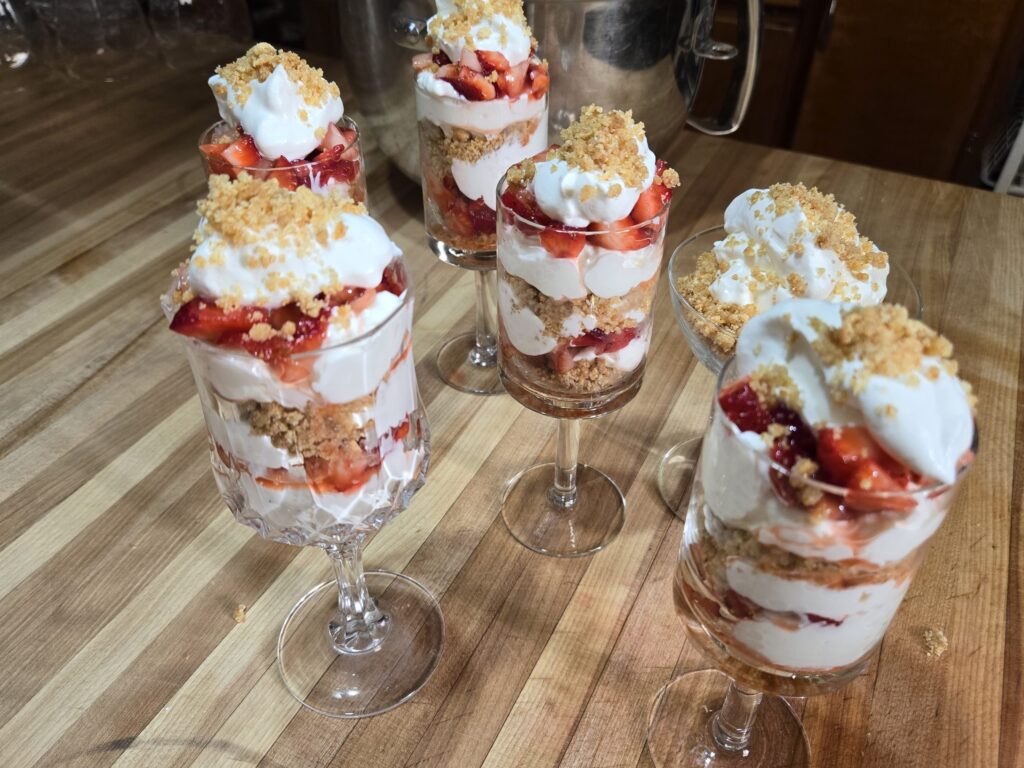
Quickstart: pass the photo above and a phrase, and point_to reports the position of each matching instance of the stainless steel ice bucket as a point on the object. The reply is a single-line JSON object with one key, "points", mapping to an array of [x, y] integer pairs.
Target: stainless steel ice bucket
{"points": [[644, 55]]}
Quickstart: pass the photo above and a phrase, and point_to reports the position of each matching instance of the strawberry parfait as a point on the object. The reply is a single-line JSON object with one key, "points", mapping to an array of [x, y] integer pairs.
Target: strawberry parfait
{"points": [[838, 439], [282, 120], [580, 242], [296, 314], [481, 99]]}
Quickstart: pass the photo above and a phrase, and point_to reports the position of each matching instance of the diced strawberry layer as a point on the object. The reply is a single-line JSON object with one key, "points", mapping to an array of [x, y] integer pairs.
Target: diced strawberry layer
{"points": [[462, 217], [522, 202], [562, 244], [622, 235], [603, 342]]}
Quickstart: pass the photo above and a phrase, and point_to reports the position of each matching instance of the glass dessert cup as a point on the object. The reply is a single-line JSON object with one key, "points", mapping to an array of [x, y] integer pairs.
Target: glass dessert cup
{"points": [[779, 643], [341, 169], [583, 358], [366, 641], [713, 346], [461, 230]]}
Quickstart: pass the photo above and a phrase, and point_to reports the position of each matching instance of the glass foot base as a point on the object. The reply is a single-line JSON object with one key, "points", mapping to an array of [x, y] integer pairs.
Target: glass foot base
{"points": [[540, 524], [679, 733], [463, 368], [675, 474], [371, 680]]}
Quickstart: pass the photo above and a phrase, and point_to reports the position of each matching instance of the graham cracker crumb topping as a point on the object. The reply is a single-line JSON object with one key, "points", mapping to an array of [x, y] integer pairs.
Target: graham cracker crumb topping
{"points": [[262, 59], [605, 142], [773, 384], [469, 13]]}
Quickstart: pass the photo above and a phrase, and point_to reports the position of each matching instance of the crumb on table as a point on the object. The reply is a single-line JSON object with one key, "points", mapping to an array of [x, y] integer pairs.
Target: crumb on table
{"points": [[935, 642], [239, 614]]}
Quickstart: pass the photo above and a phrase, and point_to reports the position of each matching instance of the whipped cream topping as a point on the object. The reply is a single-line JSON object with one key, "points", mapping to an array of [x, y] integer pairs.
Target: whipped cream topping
{"points": [[905, 393], [485, 25], [260, 244], [598, 172], [787, 241], [278, 99]]}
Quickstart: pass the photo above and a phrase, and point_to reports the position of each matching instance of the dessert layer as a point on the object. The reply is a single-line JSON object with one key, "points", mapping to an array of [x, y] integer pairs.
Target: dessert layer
{"points": [[439, 102]]}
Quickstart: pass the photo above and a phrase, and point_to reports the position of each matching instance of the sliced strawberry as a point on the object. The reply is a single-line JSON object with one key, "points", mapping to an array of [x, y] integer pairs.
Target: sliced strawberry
{"points": [[469, 60], [421, 61], [841, 450], [651, 202], [870, 479], [448, 72], [512, 82], [242, 152], [619, 236], [743, 407], [831, 508], [332, 137], [341, 474], [441, 58], [485, 220], [816, 619], [394, 280], [349, 139], [522, 202], [214, 154], [471, 84], [332, 165], [493, 61], [284, 174], [561, 244], [738, 605], [539, 80], [203, 320], [602, 342], [561, 359]]}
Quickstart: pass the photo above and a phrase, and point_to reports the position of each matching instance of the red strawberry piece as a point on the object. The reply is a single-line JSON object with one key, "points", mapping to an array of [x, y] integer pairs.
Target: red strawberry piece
{"points": [[485, 220], [539, 80], [743, 407], [870, 479], [469, 60], [619, 339], [738, 605], [512, 82], [544, 154], [394, 280], [562, 244], [332, 137], [841, 450], [521, 201], [619, 237], [421, 61], [242, 152], [349, 138], [471, 84], [831, 508], [816, 619], [441, 58], [201, 319], [492, 61], [340, 474], [596, 340], [561, 359], [284, 174], [331, 165], [214, 154]]}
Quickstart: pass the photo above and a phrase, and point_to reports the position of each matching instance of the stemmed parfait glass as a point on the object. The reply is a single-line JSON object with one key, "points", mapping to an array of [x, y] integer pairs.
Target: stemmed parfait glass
{"points": [[713, 343], [336, 166], [800, 616], [366, 640], [572, 360], [460, 227]]}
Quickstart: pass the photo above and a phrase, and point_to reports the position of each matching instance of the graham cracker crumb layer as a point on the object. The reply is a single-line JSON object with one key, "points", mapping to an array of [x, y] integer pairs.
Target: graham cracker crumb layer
{"points": [[324, 431], [721, 322], [262, 59]]}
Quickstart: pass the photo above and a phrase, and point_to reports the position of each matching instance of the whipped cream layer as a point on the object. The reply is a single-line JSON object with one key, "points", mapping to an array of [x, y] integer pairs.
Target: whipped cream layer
{"points": [[439, 102], [275, 113], [248, 271], [452, 31], [926, 424], [857, 617], [778, 250], [603, 272], [559, 188], [480, 179]]}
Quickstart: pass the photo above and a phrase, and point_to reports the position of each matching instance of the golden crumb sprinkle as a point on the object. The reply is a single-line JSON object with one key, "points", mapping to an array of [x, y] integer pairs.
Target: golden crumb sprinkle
{"points": [[720, 322], [262, 59], [251, 211], [522, 173], [773, 385], [834, 228], [606, 143], [469, 13], [885, 339], [669, 178], [239, 614]]}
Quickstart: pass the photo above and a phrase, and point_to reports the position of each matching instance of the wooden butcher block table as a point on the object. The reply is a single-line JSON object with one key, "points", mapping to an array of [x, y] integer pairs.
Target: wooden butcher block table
{"points": [[121, 569]]}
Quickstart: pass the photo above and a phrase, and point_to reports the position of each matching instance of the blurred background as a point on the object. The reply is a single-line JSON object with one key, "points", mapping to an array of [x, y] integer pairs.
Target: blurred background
{"points": [[928, 87]]}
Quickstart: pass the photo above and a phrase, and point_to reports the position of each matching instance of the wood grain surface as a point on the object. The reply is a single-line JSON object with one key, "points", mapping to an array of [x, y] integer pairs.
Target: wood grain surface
{"points": [[120, 568]]}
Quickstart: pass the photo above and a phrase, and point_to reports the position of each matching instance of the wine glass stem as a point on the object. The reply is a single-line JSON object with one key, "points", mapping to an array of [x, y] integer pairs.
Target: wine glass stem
{"points": [[358, 626], [732, 724], [485, 352], [567, 450]]}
